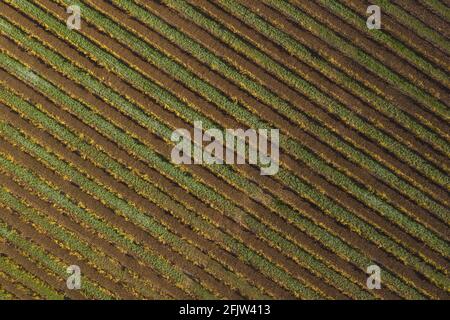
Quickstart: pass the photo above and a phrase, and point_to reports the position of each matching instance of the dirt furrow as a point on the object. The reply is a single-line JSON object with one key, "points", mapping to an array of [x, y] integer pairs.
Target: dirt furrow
{"points": [[380, 52], [147, 206], [439, 13], [294, 233], [55, 282], [430, 19], [96, 206], [404, 34], [180, 194], [295, 269], [186, 94], [402, 201], [315, 145], [74, 225], [240, 197], [154, 177], [346, 64], [285, 58], [237, 196], [300, 102], [363, 245], [7, 284], [320, 148], [13, 219], [130, 57]]}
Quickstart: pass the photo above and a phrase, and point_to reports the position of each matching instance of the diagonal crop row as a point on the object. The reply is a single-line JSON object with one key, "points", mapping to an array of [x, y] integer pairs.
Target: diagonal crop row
{"points": [[402, 34], [299, 50], [359, 38], [211, 26], [106, 196], [414, 24], [143, 187], [226, 171], [104, 161], [96, 155], [85, 184], [438, 8], [331, 39], [339, 145], [364, 59], [38, 287], [66, 203], [68, 239], [9, 288], [442, 211], [89, 288], [384, 38], [337, 180]]}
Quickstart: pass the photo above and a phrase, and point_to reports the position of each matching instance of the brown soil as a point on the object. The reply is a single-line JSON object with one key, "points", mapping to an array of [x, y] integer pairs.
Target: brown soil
{"points": [[402, 33], [26, 230], [382, 53], [365, 177], [28, 265], [297, 100], [73, 224], [261, 109], [425, 16], [129, 126], [214, 259], [96, 206], [8, 284], [292, 164], [142, 203]]}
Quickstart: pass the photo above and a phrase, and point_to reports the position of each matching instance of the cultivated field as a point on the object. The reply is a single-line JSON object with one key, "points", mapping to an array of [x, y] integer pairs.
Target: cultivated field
{"points": [[86, 177]]}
